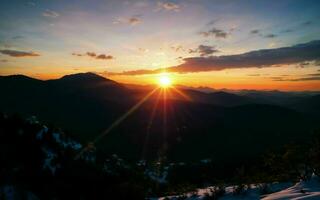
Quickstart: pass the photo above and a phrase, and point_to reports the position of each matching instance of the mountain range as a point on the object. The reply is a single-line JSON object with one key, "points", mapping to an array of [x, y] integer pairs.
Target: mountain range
{"points": [[188, 124]]}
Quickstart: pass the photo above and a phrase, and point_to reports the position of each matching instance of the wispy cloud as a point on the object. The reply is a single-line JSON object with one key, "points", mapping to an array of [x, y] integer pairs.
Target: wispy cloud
{"points": [[306, 23], [177, 48], [308, 77], [204, 50], [31, 3], [94, 55], [253, 59], [170, 6], [217, 33], [77, 54], [104, 57], [133, 21], [15, 53], [50, 13], [271, 35], [255, 31]]}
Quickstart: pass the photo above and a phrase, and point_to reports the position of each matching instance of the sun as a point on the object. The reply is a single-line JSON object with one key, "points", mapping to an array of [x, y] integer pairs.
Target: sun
{"points": [[164, 81]]}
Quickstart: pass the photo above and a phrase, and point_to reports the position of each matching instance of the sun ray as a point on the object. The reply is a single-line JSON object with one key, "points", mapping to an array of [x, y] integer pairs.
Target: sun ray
{"points": [[118, 121], [188, 98], [150, 124]]}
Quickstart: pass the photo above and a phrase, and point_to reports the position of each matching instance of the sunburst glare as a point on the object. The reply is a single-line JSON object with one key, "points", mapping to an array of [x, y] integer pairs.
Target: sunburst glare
{"points": [[165, 81]]}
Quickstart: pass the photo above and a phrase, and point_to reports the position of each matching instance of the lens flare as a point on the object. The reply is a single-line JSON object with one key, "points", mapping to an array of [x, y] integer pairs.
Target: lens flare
{"points": [[165, 81]]}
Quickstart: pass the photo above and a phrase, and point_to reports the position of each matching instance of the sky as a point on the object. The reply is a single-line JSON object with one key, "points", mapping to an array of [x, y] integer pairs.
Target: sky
{"points": [[234, 44]]}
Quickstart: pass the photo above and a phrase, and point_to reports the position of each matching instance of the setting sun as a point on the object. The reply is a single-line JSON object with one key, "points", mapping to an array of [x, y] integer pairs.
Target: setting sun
{"points": [[165, 81]]}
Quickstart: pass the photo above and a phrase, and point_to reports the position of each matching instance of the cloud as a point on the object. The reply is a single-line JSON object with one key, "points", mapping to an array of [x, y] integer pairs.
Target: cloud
{"points": [[311, 78], [77, 54], [135, 72], [91, 54], [253, 59], [133, 21], [177, 48], [18, 37], [104, 57], [315, 74], [94, 55], [271, 35], [4, 60], [306, 23], [297, 27], [168, 6], [50, 13], [287, 31], [14, 53], [217, 33], [143, 50], [204, 50], [259, 33], [255, 31]]}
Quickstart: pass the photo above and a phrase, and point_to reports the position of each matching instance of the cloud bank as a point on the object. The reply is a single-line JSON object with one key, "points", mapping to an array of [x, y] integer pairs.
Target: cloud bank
{"points": [[253, 59]]}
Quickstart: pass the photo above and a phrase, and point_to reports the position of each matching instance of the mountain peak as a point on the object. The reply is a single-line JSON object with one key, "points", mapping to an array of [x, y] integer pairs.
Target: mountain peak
{"points": [[84, 77]]}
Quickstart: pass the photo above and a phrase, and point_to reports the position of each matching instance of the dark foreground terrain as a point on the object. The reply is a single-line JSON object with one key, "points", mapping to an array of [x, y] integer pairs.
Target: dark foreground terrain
{"points": [[56, 141]]}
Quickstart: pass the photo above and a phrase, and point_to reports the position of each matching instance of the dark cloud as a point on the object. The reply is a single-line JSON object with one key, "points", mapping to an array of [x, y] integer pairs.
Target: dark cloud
{"points": [[94, 55], [314, 78], [255, 31], [104, 57], [204, 50], [261, 58], [134, 21], [91, 54], [50, 13], [217, 33], [3, 60], [14, 53], [315, 74], [287, 31], [306, 77], [271, 35]]}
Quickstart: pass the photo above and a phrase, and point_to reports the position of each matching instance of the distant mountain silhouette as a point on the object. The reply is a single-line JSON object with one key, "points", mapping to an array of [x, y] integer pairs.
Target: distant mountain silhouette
{"points": [[216, 125], [309, 105]]}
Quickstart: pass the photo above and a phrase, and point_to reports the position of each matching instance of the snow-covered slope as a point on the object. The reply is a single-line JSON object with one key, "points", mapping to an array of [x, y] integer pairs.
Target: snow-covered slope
{"points": [[302, 190], [306, 190]]}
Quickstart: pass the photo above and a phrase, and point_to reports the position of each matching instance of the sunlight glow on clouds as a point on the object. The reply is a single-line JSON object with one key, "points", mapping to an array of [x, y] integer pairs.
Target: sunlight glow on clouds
{"points": [[202, 42]]}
